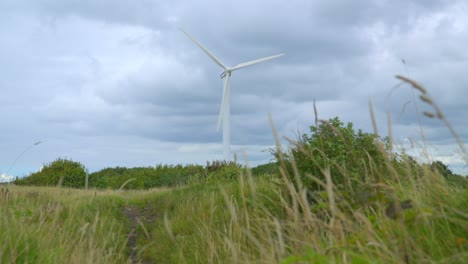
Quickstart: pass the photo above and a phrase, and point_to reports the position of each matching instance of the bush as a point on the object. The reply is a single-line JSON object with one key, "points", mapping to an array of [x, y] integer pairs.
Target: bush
{"points": [[144, 177], [62, 172], [351, 155], [226, 173], [266, 169]]}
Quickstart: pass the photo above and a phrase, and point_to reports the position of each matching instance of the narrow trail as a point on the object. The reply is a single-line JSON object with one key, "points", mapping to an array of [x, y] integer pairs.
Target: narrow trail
{"points": [[136, 215], [133, 214]]}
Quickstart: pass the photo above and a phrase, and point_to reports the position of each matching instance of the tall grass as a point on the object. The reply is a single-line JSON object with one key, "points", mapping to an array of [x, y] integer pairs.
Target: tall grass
{"points": [[268, 220], [58, 225], [407, 215]]}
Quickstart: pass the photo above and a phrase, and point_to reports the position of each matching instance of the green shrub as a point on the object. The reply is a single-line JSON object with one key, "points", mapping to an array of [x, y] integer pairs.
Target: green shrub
{"points": [[227, 173], [144, 177], [270, 168], [351, 155], [62, 172]]}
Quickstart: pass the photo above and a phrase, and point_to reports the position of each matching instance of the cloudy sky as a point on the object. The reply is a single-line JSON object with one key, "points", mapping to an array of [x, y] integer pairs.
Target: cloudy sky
{"points": [[116, 83]]}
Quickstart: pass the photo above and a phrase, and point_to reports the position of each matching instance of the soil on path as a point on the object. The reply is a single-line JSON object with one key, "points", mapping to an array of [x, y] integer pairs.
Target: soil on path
{"points": [[137, 216]]}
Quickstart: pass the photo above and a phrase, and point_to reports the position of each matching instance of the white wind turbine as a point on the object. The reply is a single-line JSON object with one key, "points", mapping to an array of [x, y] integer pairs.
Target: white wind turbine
{"points": [[225, 111]]}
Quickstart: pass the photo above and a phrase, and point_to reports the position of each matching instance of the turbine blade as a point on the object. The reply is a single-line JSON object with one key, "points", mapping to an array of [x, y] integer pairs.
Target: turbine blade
{"points": [[216, 60], [223, 100], [245, 64]]}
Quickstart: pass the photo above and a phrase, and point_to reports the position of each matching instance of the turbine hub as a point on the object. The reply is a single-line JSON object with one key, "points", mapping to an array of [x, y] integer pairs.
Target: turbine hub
{"points": [[226, 72]]}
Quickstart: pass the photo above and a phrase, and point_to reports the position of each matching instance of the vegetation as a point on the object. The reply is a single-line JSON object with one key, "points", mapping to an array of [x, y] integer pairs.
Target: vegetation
{"points": [[351, 156], [68, 173], [261, 223], [451, 178], [389, 210], [61, 172], [57, 225], [144, 178]]}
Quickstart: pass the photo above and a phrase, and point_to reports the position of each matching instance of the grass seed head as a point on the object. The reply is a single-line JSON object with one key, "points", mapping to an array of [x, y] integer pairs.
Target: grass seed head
{"points": [[430, 115], [414, 84]]}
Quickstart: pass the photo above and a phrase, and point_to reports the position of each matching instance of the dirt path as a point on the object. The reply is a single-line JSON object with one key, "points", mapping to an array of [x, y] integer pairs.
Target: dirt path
{"points": [[137, 216], [133, 214]]}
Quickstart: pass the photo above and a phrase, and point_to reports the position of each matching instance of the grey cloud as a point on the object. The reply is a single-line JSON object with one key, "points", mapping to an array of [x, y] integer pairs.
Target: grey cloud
{"points": [[106, 81]]}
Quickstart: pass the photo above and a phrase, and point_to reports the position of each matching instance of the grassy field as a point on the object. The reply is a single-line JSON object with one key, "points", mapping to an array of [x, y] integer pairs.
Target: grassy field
{"points": [[58, 225], [261, 220]]}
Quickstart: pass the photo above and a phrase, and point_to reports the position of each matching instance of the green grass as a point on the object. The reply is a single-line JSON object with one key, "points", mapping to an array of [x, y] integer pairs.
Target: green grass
{"points": [[267, 219], [266, 223], [58, 225]]}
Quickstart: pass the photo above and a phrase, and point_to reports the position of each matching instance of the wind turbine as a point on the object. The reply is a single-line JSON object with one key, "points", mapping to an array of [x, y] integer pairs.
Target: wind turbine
{"points": [[225, 111]]}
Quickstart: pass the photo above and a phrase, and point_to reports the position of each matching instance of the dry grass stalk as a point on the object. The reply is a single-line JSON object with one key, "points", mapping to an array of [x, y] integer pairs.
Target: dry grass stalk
{"points": [[413, 83], [4, 195], [316, 114], [430, 115], [426, 99], [374, 123], [439, 113], [125, 183], [390, 133], [277, 141], [168, 228]]}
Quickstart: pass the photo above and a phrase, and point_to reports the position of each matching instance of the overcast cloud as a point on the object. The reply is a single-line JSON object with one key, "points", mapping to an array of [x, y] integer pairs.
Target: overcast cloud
{"points": [[116, 83]]}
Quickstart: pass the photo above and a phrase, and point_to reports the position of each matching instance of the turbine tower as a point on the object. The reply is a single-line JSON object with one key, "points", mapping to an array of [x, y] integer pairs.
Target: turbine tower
{"points": [[225, 111]]}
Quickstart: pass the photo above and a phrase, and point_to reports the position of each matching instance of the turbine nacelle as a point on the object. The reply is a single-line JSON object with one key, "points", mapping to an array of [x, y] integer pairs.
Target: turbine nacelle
{"points": [[226, 72]]}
